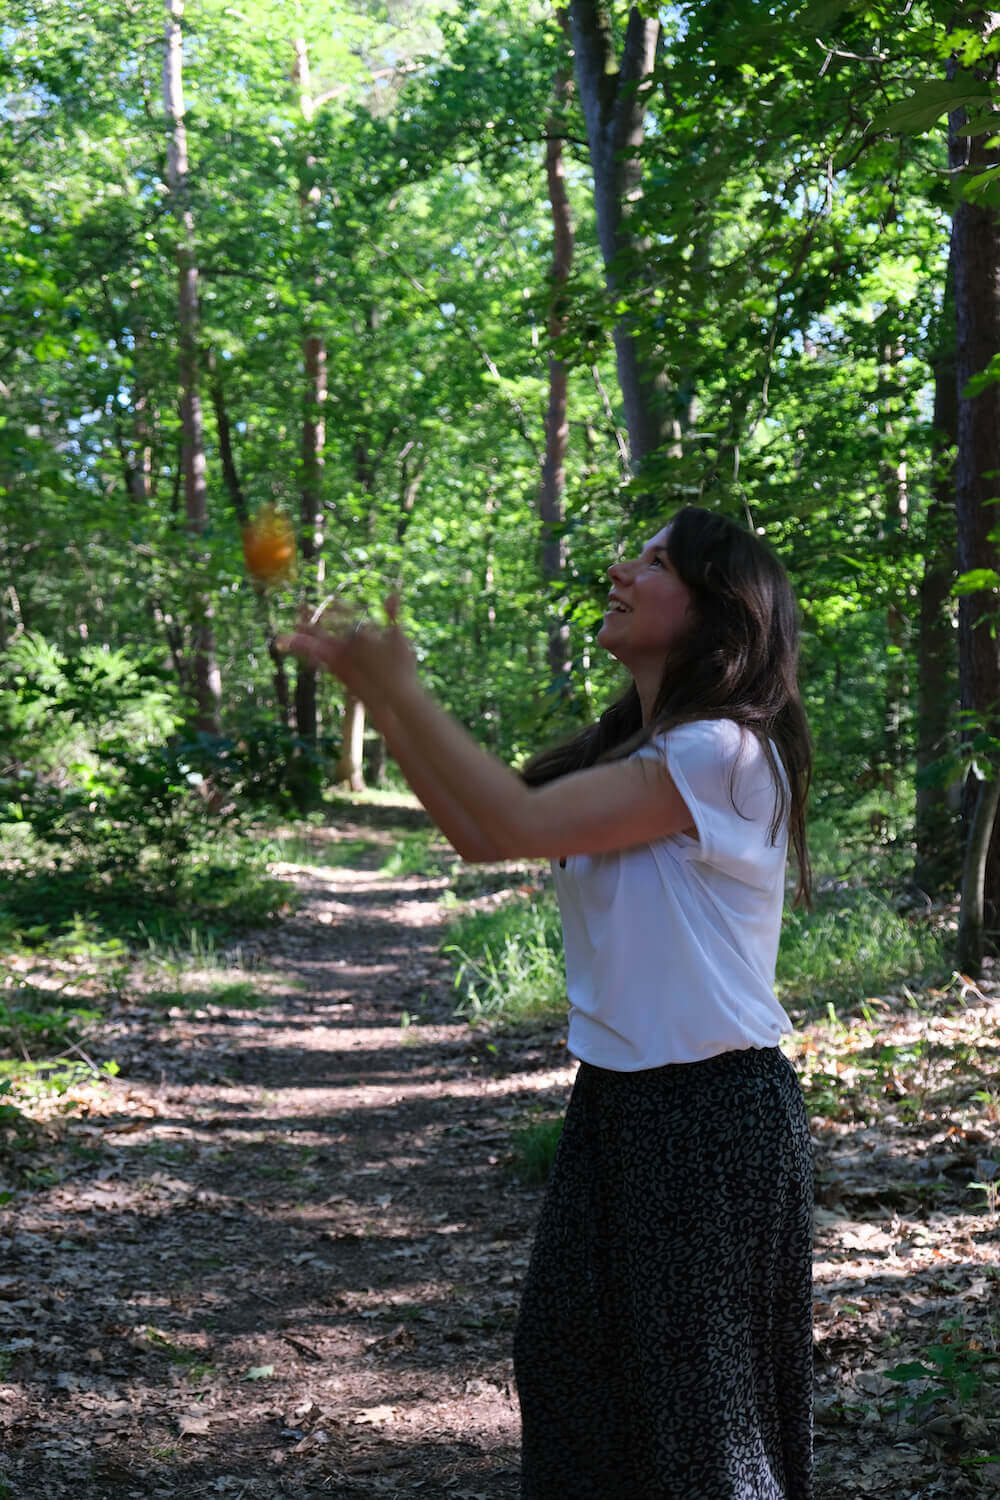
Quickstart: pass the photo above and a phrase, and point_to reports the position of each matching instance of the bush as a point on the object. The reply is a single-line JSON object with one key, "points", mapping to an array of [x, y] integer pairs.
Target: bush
{"points": [[533, 1150], [106, 817]]}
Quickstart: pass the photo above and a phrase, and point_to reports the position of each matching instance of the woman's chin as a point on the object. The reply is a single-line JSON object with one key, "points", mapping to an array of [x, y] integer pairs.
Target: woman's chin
{"points": [[605, 638]]}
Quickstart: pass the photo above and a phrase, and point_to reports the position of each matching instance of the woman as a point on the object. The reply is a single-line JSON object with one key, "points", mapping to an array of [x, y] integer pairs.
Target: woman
{"points": [[664, 1345]]}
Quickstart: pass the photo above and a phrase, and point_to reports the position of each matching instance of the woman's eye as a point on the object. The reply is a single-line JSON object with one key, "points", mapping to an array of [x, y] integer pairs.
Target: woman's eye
{"points": [[658, 562]]}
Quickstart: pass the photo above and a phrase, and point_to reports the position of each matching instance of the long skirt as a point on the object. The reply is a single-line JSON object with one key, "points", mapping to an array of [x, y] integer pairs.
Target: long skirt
{"points": [[663, 1349]]}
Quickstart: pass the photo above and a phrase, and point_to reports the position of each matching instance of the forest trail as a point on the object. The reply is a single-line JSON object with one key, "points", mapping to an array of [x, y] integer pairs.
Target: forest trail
{"points": [[281, 1253]]}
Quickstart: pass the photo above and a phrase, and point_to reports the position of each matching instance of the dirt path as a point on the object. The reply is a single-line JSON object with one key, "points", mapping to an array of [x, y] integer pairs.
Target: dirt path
{"points": [[282, 1256], [281, 1253]]}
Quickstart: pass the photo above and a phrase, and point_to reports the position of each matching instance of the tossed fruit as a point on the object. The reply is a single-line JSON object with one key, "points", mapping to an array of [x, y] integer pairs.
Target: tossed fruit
{"points": [[269, 546]]}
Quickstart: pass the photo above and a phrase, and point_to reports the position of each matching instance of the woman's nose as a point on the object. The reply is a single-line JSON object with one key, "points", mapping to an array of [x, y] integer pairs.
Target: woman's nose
{"points": [[616, 572]]}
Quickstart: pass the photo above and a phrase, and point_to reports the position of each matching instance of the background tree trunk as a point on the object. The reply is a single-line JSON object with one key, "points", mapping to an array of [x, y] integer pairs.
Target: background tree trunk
{"points": [[204, 674], [976, 252], [614, 106], [550, 498], [234, 489], [313, 425], [895, 528], [350, 765], [938, 864]]}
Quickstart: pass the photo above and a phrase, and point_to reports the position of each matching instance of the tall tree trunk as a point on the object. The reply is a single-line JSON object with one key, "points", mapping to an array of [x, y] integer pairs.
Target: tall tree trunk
{"points": [[313, 425], [976, 250], [614, 107], [204, 673], [350, 766], [938, 864], [234, 489], [894, 530], [550, 498]]}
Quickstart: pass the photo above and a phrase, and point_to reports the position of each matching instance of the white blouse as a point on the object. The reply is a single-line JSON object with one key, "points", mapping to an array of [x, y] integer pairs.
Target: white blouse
{"points": [[671, 946]]}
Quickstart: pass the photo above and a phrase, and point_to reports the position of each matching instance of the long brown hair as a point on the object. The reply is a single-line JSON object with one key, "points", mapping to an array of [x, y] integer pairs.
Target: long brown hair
{"points": [[738, 660]]}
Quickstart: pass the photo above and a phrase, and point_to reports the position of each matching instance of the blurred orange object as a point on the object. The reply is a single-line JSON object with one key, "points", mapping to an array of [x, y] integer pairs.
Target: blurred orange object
{"points": [[269, 546]]}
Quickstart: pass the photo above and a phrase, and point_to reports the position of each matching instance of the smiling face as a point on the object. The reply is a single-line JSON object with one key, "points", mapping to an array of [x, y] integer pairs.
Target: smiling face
{"points": [[647, 611]]}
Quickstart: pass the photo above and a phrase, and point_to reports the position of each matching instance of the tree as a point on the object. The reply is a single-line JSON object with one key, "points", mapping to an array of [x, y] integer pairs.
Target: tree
{"points": [[974, 156], [614, 95], [205, 680]]}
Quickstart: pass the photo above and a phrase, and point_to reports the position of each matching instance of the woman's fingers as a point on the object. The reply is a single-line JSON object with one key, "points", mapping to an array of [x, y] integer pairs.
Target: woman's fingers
{"points": [[301, 643]]}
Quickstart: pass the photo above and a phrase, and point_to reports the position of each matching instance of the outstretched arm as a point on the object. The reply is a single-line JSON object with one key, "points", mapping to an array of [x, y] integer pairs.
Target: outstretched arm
{"points": [[613, 806]]}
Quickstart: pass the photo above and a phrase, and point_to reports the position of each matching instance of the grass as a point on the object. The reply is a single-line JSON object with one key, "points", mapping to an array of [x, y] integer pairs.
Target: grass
{"points": [[852, 945], [509, 964], [533, 1150], [317, 852], [241, 994], [419, 853]]}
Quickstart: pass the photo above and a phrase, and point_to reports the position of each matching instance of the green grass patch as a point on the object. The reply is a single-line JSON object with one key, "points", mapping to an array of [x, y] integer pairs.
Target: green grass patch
{"points": [[852, 945], [509, 963], [318, 852], [220, 887], [533, 1150], [422, 852], [241, 994]]}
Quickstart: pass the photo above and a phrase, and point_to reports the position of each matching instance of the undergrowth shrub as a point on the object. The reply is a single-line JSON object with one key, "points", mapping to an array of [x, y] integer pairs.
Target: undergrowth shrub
{"points": [[509, 962], [851, 945], [103, 807]]}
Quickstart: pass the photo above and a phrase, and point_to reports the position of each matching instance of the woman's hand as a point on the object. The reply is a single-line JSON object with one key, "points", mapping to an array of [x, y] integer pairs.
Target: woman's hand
{"points": [[375, 663]]}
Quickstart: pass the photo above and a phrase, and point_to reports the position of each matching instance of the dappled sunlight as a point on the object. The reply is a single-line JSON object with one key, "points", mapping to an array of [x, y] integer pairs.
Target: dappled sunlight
{"points": [[291, 1231]]}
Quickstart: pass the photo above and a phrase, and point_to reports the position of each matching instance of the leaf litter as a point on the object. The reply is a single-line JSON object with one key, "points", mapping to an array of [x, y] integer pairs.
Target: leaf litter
{"points": [[280, 1252]]}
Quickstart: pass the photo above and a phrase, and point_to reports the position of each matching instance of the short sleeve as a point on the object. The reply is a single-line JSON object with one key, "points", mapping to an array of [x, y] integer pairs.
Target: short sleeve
{"points": [[701, 758]]}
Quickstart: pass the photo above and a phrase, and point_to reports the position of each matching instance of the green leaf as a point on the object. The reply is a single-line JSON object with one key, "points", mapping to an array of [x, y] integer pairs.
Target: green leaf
{"points": [[912, 1371], [978, 383], [932, 100], [974, 580]]}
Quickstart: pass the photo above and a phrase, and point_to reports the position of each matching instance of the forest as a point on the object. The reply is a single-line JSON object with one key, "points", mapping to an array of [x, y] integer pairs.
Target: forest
{"points": [[308, 302]]}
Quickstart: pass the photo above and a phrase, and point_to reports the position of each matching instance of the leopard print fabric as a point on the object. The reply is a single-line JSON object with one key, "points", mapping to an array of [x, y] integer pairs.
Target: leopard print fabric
{"points": [[664, 1345]]}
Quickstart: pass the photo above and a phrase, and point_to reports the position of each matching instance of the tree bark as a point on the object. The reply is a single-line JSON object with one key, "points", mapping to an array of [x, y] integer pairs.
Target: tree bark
{"points": [[894, 530], [550, 497], [234, 489], [350, 766], [976, 250], [204, 673], [971, 922], [614, 107], [313, 427], [938, 864]]}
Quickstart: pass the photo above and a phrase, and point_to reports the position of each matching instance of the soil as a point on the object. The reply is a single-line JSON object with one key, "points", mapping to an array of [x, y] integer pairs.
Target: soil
{"points": [[280, 1253]]}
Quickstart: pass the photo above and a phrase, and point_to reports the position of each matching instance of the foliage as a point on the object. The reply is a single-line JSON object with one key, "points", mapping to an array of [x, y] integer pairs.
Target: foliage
{"points": [[533, 1150], [509, 965], [105, 818], [852, 945], [954, 1369]]}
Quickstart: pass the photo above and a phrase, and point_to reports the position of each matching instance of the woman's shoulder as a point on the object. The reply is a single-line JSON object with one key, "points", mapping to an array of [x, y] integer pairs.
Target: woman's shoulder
{"points": [[727, 733]]}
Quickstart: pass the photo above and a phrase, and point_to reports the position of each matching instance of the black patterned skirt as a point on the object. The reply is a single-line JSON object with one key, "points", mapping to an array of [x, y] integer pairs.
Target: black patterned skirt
{"points": [[664, 1345]]}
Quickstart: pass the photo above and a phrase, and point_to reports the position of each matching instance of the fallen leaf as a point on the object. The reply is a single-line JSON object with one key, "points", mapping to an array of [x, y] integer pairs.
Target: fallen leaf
{"points": [[193, 1426], [374, 1414]]}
